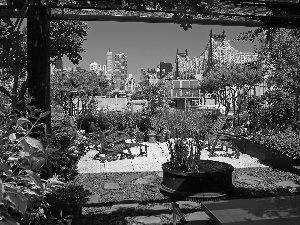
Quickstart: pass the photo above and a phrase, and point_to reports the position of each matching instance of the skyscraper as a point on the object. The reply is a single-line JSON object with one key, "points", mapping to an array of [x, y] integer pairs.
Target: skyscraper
{"points": [[120, 70], [109, 64]]}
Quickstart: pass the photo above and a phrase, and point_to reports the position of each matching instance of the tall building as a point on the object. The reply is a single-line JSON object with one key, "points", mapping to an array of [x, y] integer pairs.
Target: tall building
{"points": [[109, 64], [98, 68], [120, 71]]}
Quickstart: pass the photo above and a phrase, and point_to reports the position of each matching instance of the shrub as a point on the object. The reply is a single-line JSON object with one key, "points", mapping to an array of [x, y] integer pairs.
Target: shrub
{"points": [[22, 157]]}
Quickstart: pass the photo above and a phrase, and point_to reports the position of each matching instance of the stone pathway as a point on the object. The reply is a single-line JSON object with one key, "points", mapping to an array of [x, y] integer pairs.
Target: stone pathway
{"points": [[158, 213]]}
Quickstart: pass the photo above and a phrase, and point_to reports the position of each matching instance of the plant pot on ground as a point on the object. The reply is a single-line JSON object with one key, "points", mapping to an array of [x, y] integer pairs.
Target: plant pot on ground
{"points": [[185, 176], [66, 202], [151, 136]]}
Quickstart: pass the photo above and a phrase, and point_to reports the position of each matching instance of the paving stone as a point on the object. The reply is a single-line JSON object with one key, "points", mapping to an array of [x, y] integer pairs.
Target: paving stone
{"points": [[160, 174], [250, 182], [146, 180], [157, 209], [124, 205], [197, 218], [291, 186], [130, 177], [93, 199], [248, 177], [187, 203], [111, 186], [147, 220]]}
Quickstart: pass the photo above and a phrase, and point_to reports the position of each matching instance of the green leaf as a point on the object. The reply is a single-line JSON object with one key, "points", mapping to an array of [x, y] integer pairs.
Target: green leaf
{"points": [[44, 114], [50, 150], [35, 143], [12, 137], [4, 167], [35, 178], [37, 163], [18, 200], [22, 120]]}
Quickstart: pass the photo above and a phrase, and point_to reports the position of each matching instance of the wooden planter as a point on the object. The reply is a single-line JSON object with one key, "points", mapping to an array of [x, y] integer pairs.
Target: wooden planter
{"points": [[240, 143], [213, 182], [63, 211]]}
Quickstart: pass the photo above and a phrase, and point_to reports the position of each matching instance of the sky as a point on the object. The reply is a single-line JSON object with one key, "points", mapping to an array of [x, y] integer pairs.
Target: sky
{"points": [[146, 44]]}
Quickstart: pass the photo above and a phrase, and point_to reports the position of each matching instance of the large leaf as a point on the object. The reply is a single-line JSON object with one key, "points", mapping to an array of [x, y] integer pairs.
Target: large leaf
{"points": [[22, 120], [34, 143], [35, 178], [44, 114], [37, 163], [7, 220], [18, 200], [4, 167]]}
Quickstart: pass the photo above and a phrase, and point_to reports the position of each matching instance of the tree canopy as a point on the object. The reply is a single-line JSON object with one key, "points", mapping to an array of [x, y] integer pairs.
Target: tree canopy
{"points": [[13, 53]]}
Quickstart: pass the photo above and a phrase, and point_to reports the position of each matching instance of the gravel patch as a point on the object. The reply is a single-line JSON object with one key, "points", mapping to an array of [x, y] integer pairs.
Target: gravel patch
{"points": [[157, 155]]}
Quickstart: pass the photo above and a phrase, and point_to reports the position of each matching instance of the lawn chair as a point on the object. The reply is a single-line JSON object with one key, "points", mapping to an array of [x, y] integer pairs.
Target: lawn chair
{"points": [[213, 135]]}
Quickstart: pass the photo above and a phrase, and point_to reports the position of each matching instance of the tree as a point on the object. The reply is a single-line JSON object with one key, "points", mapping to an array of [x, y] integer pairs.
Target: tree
{"points": [[13, 53], [89, 83], [283, 55], [230, 83]]}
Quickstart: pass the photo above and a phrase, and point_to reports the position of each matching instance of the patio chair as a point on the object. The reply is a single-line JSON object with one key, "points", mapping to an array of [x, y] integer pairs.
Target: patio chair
{"points": [[213, 135]]}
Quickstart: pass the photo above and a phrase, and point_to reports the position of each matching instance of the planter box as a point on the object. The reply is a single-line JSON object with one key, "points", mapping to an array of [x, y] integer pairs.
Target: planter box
{"points": [[278, 160], [240, 143], [256, 150]]}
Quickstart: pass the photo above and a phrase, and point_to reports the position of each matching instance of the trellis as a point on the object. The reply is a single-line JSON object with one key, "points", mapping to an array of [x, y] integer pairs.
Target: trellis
{"points": [[274, 13]]}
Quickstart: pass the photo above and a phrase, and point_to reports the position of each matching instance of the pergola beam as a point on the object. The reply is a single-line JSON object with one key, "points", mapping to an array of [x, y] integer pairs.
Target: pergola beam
{"points": [[153, 20]]}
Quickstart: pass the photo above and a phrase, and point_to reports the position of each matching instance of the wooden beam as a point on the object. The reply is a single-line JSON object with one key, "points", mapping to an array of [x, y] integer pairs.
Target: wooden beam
{"points": [[153, 20], [38, 62]]}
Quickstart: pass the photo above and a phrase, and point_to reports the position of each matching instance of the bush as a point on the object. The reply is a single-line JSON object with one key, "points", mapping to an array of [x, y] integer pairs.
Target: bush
{"points": [[63, 162]]}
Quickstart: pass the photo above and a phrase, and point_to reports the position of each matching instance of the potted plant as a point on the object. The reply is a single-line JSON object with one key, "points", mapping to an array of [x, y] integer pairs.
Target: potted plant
{"points": [[139, 136], [186, 176], [151, 135], [66, 201]]}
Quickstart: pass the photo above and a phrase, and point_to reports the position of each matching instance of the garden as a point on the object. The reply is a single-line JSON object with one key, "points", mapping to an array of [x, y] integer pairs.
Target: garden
{"points": [[40, 179], [40, 182]]}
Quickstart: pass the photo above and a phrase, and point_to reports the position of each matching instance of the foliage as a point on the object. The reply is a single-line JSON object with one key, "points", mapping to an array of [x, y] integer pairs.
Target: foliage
{"points": [[272, 111], [155, 94], [13, 53], [70, 194], [230, 83], [286, 142], [63, 162], [22, 157], [188, 124], [87, 84], [184, 153]]}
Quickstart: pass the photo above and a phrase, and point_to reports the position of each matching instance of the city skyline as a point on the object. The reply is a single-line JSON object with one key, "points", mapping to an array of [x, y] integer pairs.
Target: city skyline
{"points": [[146, 45]]}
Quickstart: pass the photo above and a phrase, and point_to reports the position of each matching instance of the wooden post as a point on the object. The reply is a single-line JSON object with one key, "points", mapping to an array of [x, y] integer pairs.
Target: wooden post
{"points": [[38, 64]]}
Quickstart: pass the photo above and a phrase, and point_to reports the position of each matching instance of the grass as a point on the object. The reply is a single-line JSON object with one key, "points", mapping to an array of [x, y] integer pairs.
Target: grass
{"points": [[149, 195]]}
